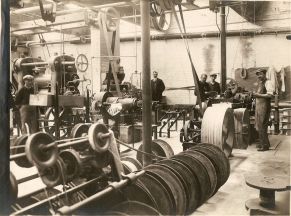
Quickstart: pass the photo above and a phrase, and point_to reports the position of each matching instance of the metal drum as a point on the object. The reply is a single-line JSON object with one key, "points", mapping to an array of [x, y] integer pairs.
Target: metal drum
{"points": [[221, 131], [242, 128]]}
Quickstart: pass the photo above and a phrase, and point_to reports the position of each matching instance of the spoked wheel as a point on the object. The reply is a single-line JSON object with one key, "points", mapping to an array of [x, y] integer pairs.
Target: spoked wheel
{"points": [[66, 122]]}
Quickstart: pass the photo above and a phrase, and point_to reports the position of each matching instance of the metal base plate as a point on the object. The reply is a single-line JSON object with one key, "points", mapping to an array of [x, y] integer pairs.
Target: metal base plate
{"points": [[256, 209]]}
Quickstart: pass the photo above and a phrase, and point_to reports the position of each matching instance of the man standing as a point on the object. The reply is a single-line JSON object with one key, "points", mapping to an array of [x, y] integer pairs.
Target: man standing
{"points": [[263, 95], [28, 114], [213, 85], [204, 87], [158, 87]]}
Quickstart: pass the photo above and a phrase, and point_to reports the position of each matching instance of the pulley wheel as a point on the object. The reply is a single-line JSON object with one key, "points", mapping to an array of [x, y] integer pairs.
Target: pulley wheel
{"points": [[72, 162], [191, 185], [54, 175], [134, 161], [97, 143], [217, 162], [168, 178], [198, 172], [13, 189], [208, 166], [135, 208], [80, 130], [159, 148], [36, 150], [164, 199], [22, 161], [138, 192], [223, 162]]}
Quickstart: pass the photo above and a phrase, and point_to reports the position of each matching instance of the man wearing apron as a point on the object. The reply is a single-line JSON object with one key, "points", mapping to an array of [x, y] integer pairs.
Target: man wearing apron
{"points": [[28, 114], [263, 96]]}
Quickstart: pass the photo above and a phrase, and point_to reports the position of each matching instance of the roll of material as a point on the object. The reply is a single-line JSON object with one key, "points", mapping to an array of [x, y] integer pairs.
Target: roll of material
{"points": [[218, 127]]}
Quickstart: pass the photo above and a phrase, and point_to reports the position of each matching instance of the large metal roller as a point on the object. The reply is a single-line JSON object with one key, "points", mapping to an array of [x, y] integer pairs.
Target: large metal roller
{"points": [[164, 199], [218, 159], [208, 166], [189, 182], [18, 147], [80, 130], [218, 127], [159, 148], [175, 186], [198, 172], [135, 208], [242, 128]]}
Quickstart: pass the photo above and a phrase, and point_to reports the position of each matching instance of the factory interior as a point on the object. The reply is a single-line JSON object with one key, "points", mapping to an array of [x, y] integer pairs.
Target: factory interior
{"points": [[149, 107]]}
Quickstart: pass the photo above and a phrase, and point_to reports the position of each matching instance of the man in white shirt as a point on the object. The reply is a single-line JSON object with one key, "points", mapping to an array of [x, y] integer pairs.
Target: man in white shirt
{"points": [[263, 96]]}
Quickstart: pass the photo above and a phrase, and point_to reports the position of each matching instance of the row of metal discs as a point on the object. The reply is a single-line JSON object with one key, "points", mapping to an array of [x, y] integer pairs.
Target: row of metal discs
{"points": [[175, 186]]}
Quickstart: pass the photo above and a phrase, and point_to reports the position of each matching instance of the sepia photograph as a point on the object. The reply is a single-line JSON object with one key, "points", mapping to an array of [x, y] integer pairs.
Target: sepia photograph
{"points": [[145, 107]]}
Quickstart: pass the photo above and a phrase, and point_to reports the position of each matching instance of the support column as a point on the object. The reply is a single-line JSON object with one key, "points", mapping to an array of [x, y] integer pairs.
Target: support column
{"points": [[222, 49], [146, 80]]}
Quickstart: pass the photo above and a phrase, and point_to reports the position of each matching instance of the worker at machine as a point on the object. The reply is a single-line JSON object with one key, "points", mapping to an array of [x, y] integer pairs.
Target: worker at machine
{"points": [[204, 87], [213, 85], [158, 87], [28, 114], [263, 95]]}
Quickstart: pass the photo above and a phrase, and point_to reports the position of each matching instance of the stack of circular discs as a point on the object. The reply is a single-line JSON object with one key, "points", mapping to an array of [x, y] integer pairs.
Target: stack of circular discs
{"points": [[183, 182]]}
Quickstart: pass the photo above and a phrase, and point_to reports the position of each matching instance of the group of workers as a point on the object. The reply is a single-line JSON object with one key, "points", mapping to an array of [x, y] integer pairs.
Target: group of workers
{"points": [[208, 88], [263, 97]]}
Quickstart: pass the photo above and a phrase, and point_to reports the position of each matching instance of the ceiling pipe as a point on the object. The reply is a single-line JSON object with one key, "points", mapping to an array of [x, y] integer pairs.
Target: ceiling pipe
{"points": [[234, 33]]}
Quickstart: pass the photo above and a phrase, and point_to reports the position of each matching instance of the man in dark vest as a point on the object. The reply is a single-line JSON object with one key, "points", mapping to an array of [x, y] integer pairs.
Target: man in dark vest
{"points": [[158, 87], [28, 114], [263, 95], [213, 85]]}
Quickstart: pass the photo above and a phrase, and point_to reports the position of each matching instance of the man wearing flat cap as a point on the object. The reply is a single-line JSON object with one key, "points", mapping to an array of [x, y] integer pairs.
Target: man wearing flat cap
{"points": [[263, 95], [28, 114], [213, 85]]}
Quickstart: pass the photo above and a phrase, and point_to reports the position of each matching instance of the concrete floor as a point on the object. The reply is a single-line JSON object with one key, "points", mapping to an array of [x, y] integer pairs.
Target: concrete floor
{"points": [[231, 197]]}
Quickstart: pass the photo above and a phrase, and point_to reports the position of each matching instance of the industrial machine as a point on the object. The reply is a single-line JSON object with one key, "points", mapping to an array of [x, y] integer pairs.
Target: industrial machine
{"points": [[86, 175], [56, 90]]}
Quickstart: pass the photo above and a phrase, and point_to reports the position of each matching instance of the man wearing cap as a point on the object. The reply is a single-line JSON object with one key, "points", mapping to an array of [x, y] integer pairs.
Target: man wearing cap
{"points": [[203, 87], [263, 95], [213, 85], [158, 87], [28, 113]]}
